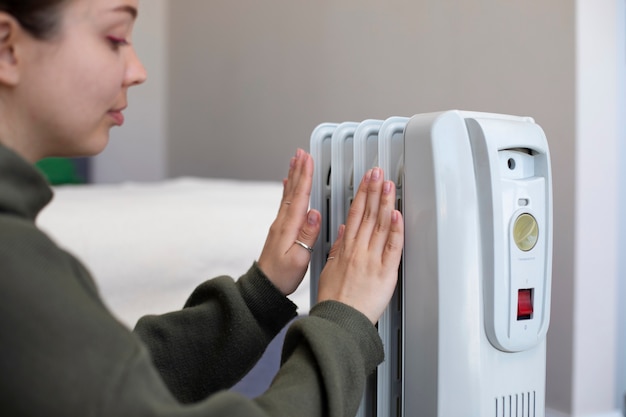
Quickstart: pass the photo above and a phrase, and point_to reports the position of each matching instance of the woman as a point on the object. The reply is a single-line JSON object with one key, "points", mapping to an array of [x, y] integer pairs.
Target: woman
{"points": [[65, 68]]}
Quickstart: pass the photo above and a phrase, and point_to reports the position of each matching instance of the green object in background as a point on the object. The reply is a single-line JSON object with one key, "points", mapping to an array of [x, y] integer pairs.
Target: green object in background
{"points": [[60, 171]]}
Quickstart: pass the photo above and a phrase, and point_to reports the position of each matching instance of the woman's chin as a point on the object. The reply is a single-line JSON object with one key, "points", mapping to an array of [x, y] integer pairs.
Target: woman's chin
{"points": [[91, 147], [95, 145]]}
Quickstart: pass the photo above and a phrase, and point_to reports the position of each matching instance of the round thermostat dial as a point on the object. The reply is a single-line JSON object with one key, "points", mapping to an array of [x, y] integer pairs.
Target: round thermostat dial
{"points": [[525, 232]]}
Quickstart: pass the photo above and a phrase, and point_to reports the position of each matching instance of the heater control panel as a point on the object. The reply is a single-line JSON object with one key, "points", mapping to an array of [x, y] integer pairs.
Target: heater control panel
{"points": [[511, 164]]}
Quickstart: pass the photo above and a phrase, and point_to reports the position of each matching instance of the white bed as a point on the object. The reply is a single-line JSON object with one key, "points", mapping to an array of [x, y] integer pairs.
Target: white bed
{"points": [[148, 245]]}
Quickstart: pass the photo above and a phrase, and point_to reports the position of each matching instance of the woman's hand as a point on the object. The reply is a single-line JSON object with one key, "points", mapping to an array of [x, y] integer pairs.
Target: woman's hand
{"points": [[287, 251], [362, 266]]}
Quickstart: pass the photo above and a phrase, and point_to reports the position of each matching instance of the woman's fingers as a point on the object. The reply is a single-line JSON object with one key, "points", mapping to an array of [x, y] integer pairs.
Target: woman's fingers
{"points": [[308, 233], [383, 220], [365, 260], [293, 211], [297, 186], [370, 213], [355, 214], [392, 253], [287, 251]]}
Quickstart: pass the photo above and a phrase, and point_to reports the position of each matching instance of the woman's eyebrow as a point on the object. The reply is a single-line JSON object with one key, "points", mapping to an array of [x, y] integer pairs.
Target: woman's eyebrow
{"points": [[127, 9]]}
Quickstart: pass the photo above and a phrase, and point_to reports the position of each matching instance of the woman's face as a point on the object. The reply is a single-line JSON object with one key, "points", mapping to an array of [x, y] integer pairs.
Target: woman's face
{"points": [[75, 84]]}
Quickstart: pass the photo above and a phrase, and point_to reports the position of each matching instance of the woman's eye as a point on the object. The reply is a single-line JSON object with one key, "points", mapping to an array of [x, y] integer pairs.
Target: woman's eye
{"points": [[117, 42]]}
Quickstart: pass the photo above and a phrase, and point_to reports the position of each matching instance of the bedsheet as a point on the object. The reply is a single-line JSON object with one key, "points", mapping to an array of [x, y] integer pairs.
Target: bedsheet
{"points": [[148, 245]]}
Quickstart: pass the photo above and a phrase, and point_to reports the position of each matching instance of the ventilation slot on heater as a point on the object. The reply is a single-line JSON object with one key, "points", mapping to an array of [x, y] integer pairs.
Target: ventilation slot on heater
{"points": [[517, 405]]}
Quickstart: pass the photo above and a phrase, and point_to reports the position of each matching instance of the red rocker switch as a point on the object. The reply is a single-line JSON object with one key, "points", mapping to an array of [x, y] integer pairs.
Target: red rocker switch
{"points": [[525, 304]]}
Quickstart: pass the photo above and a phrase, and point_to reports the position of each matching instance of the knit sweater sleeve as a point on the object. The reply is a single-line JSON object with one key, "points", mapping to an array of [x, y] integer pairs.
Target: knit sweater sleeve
{"points": [[326, 359], [218, 336]]}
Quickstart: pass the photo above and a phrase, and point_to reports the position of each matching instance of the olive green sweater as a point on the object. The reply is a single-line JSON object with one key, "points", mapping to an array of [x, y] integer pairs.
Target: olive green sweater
{"points": [[63, 354]]}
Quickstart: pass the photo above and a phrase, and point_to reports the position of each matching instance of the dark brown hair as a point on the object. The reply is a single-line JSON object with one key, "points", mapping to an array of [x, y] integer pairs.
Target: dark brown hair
{"points": [[39, 17]]}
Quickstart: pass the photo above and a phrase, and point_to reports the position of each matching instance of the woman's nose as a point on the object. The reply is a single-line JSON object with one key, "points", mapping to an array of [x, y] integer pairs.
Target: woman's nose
{"points": [[135, 71]]}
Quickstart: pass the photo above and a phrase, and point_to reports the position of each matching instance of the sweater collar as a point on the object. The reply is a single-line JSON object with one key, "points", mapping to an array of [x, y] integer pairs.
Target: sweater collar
{"points": [[23, 190]]}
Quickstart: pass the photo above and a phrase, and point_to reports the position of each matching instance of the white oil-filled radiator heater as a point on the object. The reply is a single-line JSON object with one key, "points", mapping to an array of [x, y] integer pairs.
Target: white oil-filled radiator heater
{"points": [[465, 333]]}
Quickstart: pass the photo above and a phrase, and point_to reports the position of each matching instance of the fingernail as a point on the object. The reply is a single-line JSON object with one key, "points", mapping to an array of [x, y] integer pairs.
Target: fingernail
{"points": [[387, 187], [368, 175], [312, 219], [292, 162], [395, 215], [298, 153], [375, 174]]}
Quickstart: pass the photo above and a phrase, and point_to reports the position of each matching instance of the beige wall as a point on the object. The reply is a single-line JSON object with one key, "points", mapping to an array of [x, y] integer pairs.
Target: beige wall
{"points": [[250, 80]]}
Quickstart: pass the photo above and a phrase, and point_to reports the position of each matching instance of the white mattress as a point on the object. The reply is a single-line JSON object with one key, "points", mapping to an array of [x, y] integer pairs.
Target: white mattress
{"points": [[148, 245]]}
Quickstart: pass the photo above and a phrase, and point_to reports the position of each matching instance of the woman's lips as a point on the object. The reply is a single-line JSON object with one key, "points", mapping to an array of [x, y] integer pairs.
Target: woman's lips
{"points": [[117, 117]]}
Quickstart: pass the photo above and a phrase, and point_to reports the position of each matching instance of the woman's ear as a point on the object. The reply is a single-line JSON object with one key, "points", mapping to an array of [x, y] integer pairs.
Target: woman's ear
{"points": [[9, 33]]}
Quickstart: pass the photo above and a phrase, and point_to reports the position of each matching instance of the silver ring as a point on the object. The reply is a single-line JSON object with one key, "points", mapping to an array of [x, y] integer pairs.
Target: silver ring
{"points": [[330, 258], [304, 245]]}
